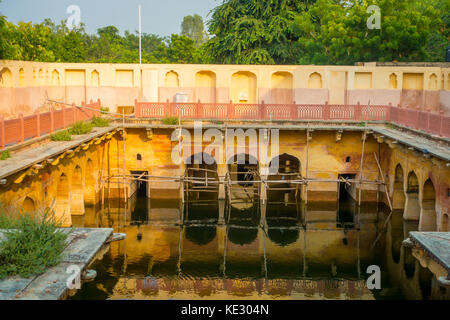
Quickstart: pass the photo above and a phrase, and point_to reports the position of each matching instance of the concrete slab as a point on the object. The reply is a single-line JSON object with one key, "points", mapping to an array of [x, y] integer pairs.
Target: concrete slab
{"points": [[435, 244], [24, 159]]}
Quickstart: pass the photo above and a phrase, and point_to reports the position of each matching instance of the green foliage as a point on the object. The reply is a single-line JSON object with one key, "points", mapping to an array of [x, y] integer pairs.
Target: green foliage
{"points": [[253, 32], [32, 243], [193, 27], [104, 110], [170, 120], [99, 122], [81, 127], [5, 155], [63, 135]]}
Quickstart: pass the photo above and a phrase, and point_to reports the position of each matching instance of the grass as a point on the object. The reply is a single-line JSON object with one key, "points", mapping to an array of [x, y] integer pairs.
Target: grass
{"points": [[5, 155], [99, 122], [32, 244], [170, 120], [63, 135], [81, 127]]}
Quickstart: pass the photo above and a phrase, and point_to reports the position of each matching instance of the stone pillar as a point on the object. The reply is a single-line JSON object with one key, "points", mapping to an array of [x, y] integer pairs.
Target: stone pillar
{"points": [[263, 173], [222, 170], [221, 212], [412, 208]]}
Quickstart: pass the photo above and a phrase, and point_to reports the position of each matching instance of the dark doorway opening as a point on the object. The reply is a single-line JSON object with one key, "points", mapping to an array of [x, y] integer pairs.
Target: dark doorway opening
{"points": [[140, 212], [346, 202]]}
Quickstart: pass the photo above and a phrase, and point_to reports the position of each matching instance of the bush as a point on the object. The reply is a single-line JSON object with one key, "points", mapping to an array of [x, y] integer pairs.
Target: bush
{"points": [[99, 122], [104, 110], [5, 155], [81, 127], [170, 120], [32, 243], [63, 135]]}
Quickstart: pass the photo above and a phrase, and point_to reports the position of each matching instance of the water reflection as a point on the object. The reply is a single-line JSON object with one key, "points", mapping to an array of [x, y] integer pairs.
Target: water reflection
{"points": [[208, 249]]}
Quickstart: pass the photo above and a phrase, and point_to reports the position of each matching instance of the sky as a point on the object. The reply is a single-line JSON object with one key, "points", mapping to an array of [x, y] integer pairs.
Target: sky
{"points": [[161, 17]]}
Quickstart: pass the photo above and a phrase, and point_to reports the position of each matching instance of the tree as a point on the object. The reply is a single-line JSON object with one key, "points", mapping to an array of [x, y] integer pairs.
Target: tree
{"points": [[181, 49], [193, 27], [333, 33], [255, 32]]}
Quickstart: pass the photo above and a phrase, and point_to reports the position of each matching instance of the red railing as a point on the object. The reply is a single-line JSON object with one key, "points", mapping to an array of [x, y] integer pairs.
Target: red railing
{"points": [[432, 123], [18, 130]]}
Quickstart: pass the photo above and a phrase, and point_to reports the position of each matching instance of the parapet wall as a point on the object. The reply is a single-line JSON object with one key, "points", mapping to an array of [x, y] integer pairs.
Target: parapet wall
{"points": [[25, 86]]}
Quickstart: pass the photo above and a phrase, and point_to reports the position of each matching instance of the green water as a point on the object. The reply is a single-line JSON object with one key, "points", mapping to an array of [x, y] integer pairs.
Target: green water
{"points": [[207, 250]]}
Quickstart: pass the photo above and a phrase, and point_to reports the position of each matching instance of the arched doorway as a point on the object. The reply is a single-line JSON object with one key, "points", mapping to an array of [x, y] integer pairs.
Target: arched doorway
{"points": [[398, 195], [77, 203], [28, 205], [428, 210], [201, 168], [90, 187], [62, 203], [284, 167], [412, 208]]}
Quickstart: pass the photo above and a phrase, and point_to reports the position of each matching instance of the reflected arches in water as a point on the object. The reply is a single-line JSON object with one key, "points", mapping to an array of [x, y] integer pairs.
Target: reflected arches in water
{"points": [[201, 235]]}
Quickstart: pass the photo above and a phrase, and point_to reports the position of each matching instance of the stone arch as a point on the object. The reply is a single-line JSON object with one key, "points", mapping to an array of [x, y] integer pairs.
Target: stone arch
{"points": [[241, 166], [281, 88], [428, 208], [287, 163], [6, 78], [205, 86], [393, 83], [171, 80], [90, 194], [398, 194], [95, 79], [77, 202], [202, 165], [55, 78], [62, 203], [433, 82], [315, 81], [243, 87], [28, 205], [21, 77], [412, 208]]}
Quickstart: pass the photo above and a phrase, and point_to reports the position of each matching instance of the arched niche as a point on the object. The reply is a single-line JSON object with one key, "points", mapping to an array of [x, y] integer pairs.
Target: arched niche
{"points": [[205, 86], [171, 80], [433, 82], [281, 88], [428, 208], [55, 78], [412, 208], [6, 78], [315, 81], [393, 83], [243, 87], [95, 79], [28, 205]]}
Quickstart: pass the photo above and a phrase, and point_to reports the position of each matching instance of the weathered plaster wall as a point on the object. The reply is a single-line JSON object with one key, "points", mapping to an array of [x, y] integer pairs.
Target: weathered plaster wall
{"points": [[24, 86]]}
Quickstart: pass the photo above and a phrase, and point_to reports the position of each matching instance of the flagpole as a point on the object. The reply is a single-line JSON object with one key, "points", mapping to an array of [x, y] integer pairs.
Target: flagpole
{"points": [[140, 32]]}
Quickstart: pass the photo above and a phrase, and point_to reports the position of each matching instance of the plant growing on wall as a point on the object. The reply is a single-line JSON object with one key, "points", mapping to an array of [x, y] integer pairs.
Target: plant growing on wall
{"points": [[63, 135], [32, 243]]}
